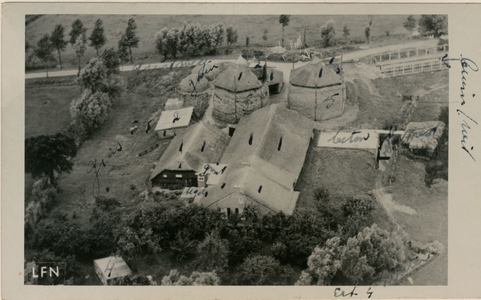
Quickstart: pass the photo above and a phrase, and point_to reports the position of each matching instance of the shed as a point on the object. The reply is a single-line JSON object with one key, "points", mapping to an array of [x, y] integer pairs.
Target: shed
{"points": [[238, 92], [186, 153], [264, 158], [172, 122], [317, 90], [110, 268]]}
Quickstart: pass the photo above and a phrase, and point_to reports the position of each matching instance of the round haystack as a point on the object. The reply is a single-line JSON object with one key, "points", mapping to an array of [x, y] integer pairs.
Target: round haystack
{"points": [[315, 74], [238, 92], [316, 91], [192, 84], [210, 70]]}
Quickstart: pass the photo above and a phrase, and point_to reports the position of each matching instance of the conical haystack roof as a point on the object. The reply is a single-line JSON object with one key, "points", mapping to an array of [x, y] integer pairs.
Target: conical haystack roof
{"points": [[193, 83], [237, 78], [210, 69], [309, 75], [241, 61]]}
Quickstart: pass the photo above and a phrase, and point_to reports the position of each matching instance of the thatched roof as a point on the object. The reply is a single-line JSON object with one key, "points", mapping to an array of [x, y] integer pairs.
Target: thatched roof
{"points": [[193, 84], [237, 78], [308, 75], [268, 148], [201, 143], [241, 61], [210, 69], [423, 135]]}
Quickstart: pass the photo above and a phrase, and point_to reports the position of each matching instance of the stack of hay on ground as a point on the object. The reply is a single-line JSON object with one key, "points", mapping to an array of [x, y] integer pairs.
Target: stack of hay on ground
{"points": [[238, 92], [318, 95], [210, 70], [195, 91], [422, 137]]}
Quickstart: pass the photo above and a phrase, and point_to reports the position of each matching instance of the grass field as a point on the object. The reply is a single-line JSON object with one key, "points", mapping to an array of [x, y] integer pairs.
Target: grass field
{"points": [[344, 172], [430, 223], [143, 103], [249, 25]]}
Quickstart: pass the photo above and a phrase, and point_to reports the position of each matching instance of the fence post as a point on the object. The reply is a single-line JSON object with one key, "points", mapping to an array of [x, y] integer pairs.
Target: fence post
{"points": [[417, 51], [431, 65]]}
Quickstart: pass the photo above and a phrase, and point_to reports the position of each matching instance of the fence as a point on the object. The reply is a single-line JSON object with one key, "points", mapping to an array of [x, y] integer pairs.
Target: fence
{"points": [[410, 52], [413, 67]]}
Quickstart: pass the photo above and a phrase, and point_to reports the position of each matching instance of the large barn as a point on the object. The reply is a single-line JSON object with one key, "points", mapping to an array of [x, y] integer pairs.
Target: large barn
{"points": [[187, 152], [317, 90], [264, 159], [238, 92]]}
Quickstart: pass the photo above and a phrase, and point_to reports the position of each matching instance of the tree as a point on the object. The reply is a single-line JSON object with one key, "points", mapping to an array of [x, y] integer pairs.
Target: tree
{"points": [[79, 48], [134, 280], [327, 33], [212, 253], [346, 32], [264, 36], [129, 39], [77, 30], [58, 42], [259, 270], [97, 38], [232, 35], [354, 264], [323, 264], [367, 30], [410, 23], [433, 24], [89, 111], [160, 37], [93, 75], [357, 212], [111, 61], [284, 20], [44, 50], [196, 278], [47, 154]]}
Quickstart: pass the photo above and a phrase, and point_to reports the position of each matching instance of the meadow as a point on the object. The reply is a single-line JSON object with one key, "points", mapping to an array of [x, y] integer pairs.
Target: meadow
{"points": [[384, 28]]}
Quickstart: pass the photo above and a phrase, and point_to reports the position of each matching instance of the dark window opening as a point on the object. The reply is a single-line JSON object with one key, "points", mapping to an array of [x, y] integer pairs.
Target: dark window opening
{"points": [[236, 211], [260, 189], [228, 211], [203, 147], [280, 144], [251, 138]]}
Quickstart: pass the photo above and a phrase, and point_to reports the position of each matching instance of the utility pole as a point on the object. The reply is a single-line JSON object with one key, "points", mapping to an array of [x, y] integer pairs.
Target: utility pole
{"points": [[304, 46]]}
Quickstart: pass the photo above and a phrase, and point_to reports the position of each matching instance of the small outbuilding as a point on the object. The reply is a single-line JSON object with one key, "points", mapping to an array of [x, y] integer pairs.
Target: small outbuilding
{"points": [[421, 138], [238, 92], [317, 90], [173, 122], [186, 154], [110, 268]]}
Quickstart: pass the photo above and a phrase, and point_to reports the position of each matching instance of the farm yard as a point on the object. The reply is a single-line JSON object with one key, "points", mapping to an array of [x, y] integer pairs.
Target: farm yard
{"points": [[108, 204]]}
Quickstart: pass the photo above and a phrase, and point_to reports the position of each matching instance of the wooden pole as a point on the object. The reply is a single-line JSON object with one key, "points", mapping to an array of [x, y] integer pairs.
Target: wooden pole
{"points": [[235, 100], [315, 105]]}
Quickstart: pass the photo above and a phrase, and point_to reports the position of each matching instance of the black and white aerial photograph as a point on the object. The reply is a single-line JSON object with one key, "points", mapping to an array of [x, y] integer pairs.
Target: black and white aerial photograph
{"points": [[237, 150]]}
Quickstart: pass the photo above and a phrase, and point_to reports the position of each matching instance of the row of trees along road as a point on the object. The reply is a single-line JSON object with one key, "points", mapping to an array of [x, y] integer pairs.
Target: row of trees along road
{"points": [[78, 40]]}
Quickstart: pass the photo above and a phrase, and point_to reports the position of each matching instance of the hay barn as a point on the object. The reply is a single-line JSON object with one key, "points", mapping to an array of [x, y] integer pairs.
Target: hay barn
{"points": [[238, 92], [264, 159], [201, 143], [194, 85], [318, 95]]}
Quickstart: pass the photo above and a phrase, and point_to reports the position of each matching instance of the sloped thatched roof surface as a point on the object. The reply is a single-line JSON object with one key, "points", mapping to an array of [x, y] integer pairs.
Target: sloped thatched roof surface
{"points": [[308, 75], [268, 148], [423, 135], [237, 78], [193, 84], [192, 157], [210, 69]]}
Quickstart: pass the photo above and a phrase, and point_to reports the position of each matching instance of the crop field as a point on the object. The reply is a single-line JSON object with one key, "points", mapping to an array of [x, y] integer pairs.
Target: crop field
{"points": [[249, 25], [125, 174]]}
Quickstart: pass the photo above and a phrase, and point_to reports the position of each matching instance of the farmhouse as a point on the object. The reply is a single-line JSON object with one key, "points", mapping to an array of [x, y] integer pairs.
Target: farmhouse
{"points": [[238, 92], [422, 138], [186, 153], [264, 159], [317, 91]]}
